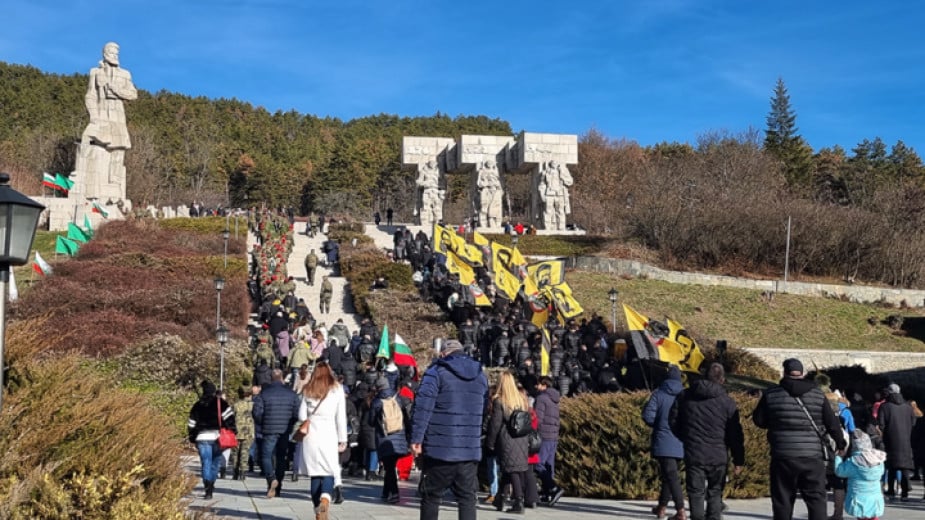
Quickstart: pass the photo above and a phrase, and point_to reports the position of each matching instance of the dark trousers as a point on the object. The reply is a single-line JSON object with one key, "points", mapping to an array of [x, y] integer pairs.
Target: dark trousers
{"points": [[804, 474], [390, 482], [671, 482], [705, 483], [531, 493], [273, 457], [437, 476], [547, 466], [891, 481], [321, 486]]}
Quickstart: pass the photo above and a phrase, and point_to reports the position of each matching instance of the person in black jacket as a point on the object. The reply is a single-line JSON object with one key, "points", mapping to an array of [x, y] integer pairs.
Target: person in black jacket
{"points": [[797, 415], [276, 409], [896, 420], [203, 430], [708, 425]]}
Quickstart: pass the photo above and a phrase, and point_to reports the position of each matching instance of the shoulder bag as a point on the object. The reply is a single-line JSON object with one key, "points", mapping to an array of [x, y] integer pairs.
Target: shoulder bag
{"points": [[226, 437], [301, 431], [828, 445]]}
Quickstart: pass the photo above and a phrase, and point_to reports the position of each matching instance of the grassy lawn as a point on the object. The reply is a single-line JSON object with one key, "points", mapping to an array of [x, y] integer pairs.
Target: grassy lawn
{"points": [[745, 319]]}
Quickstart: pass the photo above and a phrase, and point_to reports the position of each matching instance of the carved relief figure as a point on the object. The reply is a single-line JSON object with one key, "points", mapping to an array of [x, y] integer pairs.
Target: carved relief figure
{"points": [[554, 181], [104, 141], [490, 194], [430, 181]]}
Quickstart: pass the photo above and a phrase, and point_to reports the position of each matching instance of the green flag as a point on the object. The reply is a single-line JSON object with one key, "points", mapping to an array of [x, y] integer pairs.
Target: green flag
{"points": [[384, 344], [63, 182], [75, 233], [88, 227], [66, 246]]}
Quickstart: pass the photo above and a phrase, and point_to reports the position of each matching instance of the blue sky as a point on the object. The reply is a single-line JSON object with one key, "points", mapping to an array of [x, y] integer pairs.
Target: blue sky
{"points": [[646, 70]]}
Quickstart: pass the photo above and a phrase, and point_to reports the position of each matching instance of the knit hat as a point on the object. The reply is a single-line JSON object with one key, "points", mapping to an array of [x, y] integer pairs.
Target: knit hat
{"points": [[861, 441], [208, 388], [793, 365]]}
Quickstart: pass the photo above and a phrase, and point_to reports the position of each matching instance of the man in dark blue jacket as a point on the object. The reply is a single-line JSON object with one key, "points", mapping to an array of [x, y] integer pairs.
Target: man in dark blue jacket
{"points": [[447, 429], [276, 409]]}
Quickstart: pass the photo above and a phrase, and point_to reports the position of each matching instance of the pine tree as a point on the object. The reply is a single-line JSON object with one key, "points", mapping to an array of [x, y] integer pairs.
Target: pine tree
{"points": [[782, 141]]}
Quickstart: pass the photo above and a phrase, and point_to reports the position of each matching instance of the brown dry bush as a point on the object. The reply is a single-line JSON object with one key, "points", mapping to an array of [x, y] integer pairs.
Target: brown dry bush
{"points": [[78, 446], [417, 321]]}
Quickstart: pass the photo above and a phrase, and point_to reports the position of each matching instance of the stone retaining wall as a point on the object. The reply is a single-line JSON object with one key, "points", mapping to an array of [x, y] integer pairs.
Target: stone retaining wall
{"points": [[873, 362], [853, 293]]}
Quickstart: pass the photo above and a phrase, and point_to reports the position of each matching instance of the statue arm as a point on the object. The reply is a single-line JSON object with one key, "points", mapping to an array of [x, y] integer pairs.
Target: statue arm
{"points": [[566, 176], [124, 89], [91, 99]]}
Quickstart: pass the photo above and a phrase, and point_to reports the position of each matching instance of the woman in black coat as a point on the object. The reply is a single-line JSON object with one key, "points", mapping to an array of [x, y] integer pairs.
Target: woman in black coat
{"points": [[367, 438], [512, 452]]}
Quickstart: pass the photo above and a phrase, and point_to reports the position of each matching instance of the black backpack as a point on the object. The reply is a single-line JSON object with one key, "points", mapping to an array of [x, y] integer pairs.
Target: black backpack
{"points": [[519, 423]]}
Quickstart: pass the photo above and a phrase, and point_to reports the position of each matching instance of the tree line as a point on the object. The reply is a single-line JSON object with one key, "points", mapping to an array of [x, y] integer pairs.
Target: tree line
{"points": [[721, 202]]}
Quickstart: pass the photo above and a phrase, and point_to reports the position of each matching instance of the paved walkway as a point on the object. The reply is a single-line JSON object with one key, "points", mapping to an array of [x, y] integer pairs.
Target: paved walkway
{"points": [[247, 499]]}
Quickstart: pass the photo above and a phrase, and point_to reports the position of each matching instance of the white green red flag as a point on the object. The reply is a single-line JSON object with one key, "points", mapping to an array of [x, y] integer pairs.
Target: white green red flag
{"points": [[99, 209], [41, 266]]}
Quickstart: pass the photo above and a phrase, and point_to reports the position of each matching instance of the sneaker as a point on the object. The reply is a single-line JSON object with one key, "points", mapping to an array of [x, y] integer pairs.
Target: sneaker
{"points": [[271, 492], [556, 495]]}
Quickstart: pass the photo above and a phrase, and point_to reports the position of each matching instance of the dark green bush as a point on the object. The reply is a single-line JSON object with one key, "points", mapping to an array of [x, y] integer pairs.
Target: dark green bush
{"points": [[604, 449], [555, 245]]}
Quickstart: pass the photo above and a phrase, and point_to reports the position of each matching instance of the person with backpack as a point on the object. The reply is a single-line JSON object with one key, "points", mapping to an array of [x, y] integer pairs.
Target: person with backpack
{"points": [[387, 415], [667, 449], [507, 437]]}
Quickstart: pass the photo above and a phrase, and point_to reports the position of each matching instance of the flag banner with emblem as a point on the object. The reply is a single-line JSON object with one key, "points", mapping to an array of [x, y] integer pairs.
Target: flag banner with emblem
{"points": [[99, 209], [467, 279], [402, 354], [566, 304], [383, 351], [480, 239], [40, 266], [547, 272], [444, 239], [76, 234], [544, 353], [670, 343], [66, 246]]}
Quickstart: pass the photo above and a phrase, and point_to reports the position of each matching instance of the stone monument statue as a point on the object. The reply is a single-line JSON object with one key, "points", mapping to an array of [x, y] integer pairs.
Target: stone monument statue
{"points": [[431, 181], [490, 194], [100, 168], [552, 186]]}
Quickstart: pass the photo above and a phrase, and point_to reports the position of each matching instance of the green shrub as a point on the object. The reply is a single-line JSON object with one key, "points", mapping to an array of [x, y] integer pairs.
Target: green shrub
{"points": [[363, 265], [604, 449], [205, 225]]}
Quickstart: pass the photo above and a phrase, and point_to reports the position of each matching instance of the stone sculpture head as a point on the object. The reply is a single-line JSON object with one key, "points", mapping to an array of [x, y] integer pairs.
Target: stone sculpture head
{"points": [[553, 165], [490, 164], [431, 163], [111, 53]]}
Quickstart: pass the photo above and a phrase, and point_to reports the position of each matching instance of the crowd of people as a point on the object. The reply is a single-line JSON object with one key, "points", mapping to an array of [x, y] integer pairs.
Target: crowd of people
{"points": [[370, 418]]}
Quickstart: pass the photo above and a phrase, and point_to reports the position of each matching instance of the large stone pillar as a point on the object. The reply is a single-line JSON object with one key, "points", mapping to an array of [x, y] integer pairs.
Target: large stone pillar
{"points": [[487, 157], [547, 158], [427, 157]]}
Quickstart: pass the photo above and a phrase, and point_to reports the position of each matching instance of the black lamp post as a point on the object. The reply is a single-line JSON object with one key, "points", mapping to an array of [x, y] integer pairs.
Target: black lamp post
{"points": [[612, 294], [221, 334], [219, 285], [226, 234], [19, 216]]}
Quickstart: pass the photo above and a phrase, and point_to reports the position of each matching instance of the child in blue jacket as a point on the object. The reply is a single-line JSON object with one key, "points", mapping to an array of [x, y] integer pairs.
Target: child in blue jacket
{"points": [[863, 469]]}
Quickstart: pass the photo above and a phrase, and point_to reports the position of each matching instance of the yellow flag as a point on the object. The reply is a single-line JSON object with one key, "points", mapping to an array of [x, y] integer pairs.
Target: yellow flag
{"points": [[444, 239], [467, 279], [566, 304], [548, 272], [544, 353], [691, 355], [480, 239]]}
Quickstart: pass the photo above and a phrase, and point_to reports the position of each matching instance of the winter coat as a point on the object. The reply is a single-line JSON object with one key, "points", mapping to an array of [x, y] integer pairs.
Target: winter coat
{"points": [[448, 409], [655, 414], [708, 423], [203, 418], [864, 497], [512, 452], [300, 355], [319, 454], [547, 413], [334, 357], [276, 408], [395, 444], [896, 420], [340, 332], [790, 434], [367, 438], [262, 375]]}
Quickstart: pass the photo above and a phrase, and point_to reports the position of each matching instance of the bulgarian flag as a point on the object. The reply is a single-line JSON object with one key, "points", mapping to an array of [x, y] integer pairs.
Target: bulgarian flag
{"points": [[402, 352], [48, 180], [66, 246], [41, 266], [384, 351], [99, 209], [88, 227]]}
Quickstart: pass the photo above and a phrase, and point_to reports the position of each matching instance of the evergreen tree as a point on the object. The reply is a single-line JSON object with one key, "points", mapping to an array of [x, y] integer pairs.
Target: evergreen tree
{"points": [[783, 143]]}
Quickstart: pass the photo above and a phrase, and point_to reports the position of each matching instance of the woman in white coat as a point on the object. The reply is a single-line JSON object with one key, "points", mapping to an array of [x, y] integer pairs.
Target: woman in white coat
{"points": [[322, 404]]}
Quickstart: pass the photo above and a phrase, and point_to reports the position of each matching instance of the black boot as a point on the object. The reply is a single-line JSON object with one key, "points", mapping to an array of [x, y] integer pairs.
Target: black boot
{"points": [[221, 472], [368, 476], [210, 486], [517, 507], [499, 502], [339, 495]]}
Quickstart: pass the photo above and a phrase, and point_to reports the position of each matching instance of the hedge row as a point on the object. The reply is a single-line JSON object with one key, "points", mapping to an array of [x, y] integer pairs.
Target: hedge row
{"points": [[555, 245], [362, 264]]}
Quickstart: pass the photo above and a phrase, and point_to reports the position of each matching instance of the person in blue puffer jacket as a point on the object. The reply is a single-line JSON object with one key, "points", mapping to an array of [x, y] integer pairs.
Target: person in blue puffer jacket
{"points": [[667, 449], [863, 469]]}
